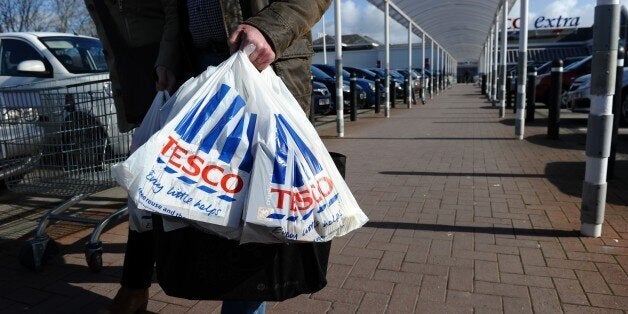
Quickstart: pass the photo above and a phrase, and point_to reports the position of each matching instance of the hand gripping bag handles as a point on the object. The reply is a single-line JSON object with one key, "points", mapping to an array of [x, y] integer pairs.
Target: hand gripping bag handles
{"points": [[239, 122]]}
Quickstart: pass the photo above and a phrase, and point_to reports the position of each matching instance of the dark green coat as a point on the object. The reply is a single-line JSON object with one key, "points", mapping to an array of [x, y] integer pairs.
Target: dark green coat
{"points": [[137, 36], [286, 25]]}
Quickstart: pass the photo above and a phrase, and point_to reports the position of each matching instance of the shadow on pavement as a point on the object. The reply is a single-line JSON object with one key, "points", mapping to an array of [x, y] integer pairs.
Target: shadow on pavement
{"points": [[471, 229], [462, 174], [459, 122], [565, 141], [508, 122], [422, 138], [568, 178], [575, 141]]}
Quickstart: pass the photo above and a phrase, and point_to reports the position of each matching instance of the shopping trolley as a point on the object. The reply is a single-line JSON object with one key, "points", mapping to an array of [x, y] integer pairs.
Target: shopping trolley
{"points": [[60, 138]]}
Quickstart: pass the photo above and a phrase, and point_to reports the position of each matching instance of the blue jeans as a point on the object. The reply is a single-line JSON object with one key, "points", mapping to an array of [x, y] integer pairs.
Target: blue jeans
{"points": [[243, 307]]}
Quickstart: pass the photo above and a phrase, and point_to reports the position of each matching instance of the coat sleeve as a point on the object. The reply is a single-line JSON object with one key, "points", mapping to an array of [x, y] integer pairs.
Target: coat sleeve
{"points": [[283, 22], [169, 44]]}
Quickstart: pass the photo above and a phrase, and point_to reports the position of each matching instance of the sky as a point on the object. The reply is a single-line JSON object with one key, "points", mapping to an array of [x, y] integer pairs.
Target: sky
{"points": [[356, 12]]}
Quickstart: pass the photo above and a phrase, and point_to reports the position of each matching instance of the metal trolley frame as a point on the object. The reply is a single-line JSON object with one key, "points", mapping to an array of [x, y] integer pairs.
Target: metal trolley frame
{"points": [[60, 139]]}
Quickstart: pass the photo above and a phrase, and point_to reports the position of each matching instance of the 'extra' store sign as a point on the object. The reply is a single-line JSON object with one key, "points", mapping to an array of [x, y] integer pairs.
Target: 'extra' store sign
{"points": [[546, 22]]}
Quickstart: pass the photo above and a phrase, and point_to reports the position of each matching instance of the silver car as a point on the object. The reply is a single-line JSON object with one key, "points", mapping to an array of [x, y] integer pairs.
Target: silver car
{"points": [[55, 95], [578, 97]]}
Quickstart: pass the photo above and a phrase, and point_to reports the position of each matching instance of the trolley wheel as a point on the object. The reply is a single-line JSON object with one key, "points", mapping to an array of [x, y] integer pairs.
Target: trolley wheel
{"points": [[37, 252], [94, 261], [93, 256]]}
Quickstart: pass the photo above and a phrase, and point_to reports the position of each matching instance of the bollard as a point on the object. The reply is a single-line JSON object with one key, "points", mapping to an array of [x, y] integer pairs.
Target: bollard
{"points": [[483, 84], [378, 94], [617, 98], [509, 91], [531, 92], [393, 92], [553, 118], [312, 105], [600, 122], [354, 96], [312, 111], [405, 90]]}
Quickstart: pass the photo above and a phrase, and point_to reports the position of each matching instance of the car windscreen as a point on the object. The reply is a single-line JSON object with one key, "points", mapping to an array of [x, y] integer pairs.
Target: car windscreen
{"points": [[319, 73], [544, 68], [577, 64], [77, 54], [396, 74], [368, 73]]}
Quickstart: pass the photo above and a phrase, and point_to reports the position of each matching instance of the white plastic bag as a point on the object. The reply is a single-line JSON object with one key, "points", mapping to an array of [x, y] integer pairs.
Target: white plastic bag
{"points": [[141, 220], [198, 166], [297, 193]]}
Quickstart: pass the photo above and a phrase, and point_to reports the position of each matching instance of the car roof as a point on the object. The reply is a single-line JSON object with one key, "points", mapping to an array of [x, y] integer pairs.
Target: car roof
{"points": [[32, 35]]}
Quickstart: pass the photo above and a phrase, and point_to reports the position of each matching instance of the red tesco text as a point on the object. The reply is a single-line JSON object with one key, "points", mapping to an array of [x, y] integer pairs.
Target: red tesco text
{"points": [[304, 198], [194, 166]]}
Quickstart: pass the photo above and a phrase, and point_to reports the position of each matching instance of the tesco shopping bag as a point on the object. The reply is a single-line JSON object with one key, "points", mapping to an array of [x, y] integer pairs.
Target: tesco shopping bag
{"points": [[200, 165], [296, 192], [197, 166], [141, 220]]}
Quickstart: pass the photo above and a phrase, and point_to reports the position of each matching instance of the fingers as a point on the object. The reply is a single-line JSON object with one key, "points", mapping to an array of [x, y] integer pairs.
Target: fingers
{"points": [[171, 82], [234, 39], [166, 80], [246, 35], [262, 58]]}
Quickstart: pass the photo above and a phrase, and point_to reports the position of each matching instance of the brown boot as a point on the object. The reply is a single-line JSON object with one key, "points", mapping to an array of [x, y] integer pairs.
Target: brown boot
{"points": [[128, 301]]}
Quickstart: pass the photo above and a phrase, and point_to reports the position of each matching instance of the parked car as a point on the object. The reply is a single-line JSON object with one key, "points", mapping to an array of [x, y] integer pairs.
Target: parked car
{"points": [[416, 78], [398, 78], [321, 99], [578, 97], [570, 73], [319, 76], [361, 72], [60, 79], [367, 86]]}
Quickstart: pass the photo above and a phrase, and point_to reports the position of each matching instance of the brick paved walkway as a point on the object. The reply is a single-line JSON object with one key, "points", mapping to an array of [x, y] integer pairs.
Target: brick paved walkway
{"points": [[463, 219]]}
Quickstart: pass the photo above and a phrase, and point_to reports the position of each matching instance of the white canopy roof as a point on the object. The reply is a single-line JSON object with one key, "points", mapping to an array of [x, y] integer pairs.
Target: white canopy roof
{"points": [[461, 27]]}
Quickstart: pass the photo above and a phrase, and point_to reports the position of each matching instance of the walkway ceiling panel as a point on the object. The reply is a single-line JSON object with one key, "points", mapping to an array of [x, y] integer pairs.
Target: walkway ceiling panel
{"points": [[461, 27]]}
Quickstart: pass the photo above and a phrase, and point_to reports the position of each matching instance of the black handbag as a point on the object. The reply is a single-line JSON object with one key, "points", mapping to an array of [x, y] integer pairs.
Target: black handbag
{"points": [[196, 265]]}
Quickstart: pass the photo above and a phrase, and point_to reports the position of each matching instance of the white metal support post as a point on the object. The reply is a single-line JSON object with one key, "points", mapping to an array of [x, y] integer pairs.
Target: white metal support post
{"points": [[423, 80], [489, 78], [523, 71], [496, 58], [324, 42], [502, 98], [486, 65], [410, 84], [340, 122], [432, 68], [387, 61], [438, 70]]}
